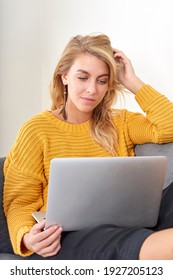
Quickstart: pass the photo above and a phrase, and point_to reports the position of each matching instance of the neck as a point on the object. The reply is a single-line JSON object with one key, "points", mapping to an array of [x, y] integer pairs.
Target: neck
{"points": [[73, 115], [77, 118]]}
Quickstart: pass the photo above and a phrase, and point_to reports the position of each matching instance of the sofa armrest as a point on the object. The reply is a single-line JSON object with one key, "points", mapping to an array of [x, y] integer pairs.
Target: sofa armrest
{"points": [[5, 244], [151, 149]]}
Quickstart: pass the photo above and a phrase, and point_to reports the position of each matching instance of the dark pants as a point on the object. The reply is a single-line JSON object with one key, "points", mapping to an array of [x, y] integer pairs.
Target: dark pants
{"points": [[108, 242]]}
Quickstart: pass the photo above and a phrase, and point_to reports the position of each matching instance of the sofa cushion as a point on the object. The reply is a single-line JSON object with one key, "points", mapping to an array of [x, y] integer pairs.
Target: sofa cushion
{"points": [[151, 149], [5, 244]]}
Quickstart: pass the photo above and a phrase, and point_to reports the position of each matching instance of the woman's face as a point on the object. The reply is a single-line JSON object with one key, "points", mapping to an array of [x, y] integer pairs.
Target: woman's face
{"points": [[87, 81]]}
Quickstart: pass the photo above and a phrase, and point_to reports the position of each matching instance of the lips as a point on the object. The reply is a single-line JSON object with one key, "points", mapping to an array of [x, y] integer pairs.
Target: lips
{"points": [[87, 99]]}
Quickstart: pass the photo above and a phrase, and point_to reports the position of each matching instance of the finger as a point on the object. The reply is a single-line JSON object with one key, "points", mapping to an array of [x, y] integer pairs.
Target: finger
{"points": [[53, 246], [49, 253], [116, 50], [51, 230], [118, 53], [38, 227], [122, 59], [50, 246], [45, 238], [54, 252], [119, 58]]}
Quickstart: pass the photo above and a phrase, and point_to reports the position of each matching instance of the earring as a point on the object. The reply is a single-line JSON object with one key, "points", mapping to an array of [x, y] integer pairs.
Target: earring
{"points": [[63, 111], [65, 90]]}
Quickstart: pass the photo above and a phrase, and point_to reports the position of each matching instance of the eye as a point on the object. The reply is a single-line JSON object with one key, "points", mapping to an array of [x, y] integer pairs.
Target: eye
{"points": [[102, 82], [82, 78]]}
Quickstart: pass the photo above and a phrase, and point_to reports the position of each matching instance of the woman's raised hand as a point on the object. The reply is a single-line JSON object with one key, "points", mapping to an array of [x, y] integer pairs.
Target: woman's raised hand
{"points": [[126, 74]]}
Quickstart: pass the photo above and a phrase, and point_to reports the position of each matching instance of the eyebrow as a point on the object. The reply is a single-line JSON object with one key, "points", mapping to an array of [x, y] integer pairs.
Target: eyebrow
{"points": [[85, 72]]}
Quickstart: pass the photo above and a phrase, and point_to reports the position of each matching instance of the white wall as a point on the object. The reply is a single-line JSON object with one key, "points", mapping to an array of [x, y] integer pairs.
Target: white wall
{"points": [[34, 34], [20, 75]]}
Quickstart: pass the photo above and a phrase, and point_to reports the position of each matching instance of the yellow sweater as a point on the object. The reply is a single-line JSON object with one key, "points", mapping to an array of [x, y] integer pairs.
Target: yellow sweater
{"points": [[44, 137]]}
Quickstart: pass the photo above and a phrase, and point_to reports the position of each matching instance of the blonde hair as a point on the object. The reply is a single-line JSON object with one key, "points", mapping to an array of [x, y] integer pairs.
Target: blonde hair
{"points": [[102, 127]]}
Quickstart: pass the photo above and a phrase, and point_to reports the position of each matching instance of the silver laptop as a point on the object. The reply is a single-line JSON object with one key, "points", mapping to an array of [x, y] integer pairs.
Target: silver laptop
{"points": [[86, 192]]}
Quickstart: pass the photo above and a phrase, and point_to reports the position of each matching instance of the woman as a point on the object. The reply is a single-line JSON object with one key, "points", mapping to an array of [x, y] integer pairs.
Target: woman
{"points": [[82, 123]]}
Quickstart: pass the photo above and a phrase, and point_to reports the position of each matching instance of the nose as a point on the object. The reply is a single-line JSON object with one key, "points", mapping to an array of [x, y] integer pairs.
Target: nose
{"points": [[91, 87]]}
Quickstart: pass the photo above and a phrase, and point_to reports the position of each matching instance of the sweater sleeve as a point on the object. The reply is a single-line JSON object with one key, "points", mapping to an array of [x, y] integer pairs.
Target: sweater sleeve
{"points": [[24, 183], [157, 125]]}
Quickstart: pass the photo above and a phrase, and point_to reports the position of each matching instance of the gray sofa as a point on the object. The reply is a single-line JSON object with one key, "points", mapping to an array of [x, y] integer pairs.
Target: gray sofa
{"points": [[6, 251]]}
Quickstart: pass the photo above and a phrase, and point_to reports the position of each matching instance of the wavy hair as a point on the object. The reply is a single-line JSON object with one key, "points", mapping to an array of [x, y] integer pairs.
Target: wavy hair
{"points": [[102, 127]]}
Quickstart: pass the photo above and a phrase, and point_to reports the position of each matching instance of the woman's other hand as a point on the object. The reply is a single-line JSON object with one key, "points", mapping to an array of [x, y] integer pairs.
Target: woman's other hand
{"points": [[45, 243]]}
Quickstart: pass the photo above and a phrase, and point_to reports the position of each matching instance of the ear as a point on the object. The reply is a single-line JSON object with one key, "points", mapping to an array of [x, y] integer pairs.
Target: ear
{"points": [[64, 79]]}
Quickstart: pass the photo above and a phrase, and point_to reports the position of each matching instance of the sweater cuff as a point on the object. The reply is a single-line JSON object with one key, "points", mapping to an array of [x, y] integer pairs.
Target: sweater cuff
{"points": [[20, 248]]}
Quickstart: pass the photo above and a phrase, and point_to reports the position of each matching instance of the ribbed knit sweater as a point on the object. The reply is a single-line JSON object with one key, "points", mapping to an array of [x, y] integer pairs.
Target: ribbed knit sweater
{"points": [[44, 137]]}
